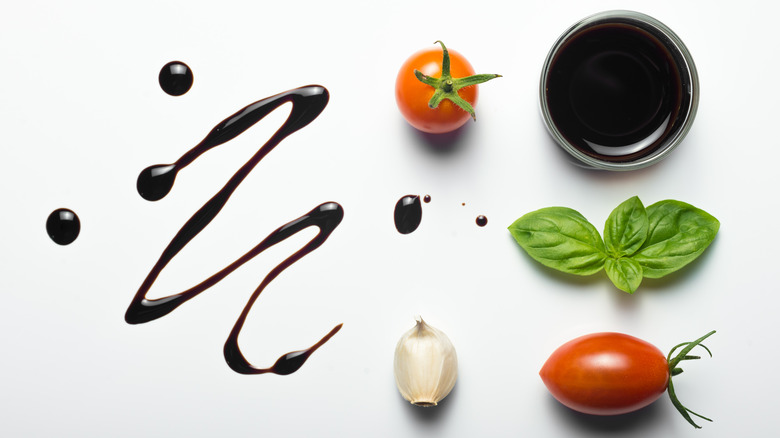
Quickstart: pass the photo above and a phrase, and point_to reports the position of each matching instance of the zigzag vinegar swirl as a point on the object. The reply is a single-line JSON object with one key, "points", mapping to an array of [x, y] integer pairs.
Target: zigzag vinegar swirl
{"points": [[155, 182]]}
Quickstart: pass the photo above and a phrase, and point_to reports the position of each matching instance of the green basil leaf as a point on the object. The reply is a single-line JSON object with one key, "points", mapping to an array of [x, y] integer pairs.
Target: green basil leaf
{"points": [[677, 234], [625, 273], [626, 228], [562, 239]]}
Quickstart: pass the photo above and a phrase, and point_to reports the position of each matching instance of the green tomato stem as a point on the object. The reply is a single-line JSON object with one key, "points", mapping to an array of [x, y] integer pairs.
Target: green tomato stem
{"points": [[446, 87], [674, 371]]}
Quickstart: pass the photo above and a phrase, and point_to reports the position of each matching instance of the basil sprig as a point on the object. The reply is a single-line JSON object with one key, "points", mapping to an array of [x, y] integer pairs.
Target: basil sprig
{"points": [[638, 242]]}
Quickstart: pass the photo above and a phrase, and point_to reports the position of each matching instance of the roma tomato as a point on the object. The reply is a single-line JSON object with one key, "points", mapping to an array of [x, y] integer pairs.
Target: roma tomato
{"points": [[436, 90], [606, 374], [614, 373]]}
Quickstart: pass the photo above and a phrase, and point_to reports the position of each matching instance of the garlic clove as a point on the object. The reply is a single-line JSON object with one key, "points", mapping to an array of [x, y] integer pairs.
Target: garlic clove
{"points": [[425, 365]]}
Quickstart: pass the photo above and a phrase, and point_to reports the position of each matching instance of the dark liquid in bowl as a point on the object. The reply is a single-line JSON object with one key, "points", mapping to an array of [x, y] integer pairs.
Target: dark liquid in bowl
{"points": [[614, 91]]}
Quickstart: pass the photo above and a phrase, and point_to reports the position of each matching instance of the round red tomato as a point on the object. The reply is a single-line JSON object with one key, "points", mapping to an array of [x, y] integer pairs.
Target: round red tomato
{"points": [[436, 90], [413, 96], [606, 374]]}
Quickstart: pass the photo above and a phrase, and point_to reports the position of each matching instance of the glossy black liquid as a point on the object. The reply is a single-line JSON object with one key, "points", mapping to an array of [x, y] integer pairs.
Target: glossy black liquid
{"points": [[156, 181], [427, 198], [175, 78], [482, 220], [407, 214], [63, 226], [614, 91]]}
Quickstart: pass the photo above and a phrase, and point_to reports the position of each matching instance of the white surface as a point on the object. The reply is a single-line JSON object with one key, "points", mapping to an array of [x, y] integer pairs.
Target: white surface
{"points": [[81, 114]]}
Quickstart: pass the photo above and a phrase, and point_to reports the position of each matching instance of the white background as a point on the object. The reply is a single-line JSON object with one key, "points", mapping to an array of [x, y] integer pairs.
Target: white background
{"points": [[81, 114]]}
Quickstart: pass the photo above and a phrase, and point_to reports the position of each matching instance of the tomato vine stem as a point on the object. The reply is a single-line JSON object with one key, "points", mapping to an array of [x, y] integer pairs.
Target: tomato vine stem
{"points": [[446, 87], [675, 370]]}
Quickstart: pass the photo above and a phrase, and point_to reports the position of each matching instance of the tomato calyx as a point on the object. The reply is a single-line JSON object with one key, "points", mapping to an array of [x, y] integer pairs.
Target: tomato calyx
{"points": [[446, 87], [674, 370]]}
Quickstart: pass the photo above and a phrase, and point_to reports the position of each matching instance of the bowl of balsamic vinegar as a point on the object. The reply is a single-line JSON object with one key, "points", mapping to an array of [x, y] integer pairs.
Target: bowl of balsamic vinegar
{"points": [[619, 91]]}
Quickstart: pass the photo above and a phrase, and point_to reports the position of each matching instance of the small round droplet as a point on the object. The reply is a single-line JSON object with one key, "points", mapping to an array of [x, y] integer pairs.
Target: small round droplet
{"points": [[63, 226], [427, 199], [482, 220], [176, 78]]}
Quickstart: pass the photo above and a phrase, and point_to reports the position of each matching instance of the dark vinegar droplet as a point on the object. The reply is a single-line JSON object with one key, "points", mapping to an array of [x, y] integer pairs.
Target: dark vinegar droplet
{"points": [[427, 199], [290, 362], [155, 182], [63, 226], [481, 220], [408, 214], [176, 78]]}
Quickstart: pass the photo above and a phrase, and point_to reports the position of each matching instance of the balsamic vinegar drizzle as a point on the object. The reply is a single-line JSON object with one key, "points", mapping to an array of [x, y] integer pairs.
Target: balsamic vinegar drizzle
{"points": [[407, 214], [155, 183], [482, 220]]}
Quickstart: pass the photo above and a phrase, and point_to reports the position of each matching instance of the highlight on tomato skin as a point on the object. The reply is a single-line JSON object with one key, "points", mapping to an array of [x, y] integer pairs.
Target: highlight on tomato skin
{"points": [[606, 374]]}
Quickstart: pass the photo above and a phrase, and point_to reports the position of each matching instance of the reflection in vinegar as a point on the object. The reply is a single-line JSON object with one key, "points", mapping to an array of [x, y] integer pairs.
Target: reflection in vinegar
{"points": [[155, 182]]}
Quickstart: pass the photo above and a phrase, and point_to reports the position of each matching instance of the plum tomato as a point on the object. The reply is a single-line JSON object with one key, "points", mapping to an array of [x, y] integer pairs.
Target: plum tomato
{"points": [[436, 90], [614, 373], [606, 374]]}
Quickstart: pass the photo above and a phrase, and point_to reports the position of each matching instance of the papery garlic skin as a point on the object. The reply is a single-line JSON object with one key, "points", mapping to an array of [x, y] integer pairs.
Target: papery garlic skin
{"points": [[425, 365]]}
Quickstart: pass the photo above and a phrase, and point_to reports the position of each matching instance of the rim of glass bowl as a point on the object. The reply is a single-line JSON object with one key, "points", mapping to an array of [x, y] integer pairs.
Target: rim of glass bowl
{"points": [[676, 45]]}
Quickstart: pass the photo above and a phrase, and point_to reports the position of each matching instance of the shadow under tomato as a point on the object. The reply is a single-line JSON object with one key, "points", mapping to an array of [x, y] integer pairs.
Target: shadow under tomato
{"points": [[441, 144], [617, 424], [434, 414]]}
